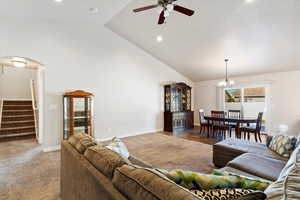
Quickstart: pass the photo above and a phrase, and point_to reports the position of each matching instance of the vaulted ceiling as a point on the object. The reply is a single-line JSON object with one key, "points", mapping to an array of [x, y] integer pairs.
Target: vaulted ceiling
{"points": [[66, 10], [258, 36]]}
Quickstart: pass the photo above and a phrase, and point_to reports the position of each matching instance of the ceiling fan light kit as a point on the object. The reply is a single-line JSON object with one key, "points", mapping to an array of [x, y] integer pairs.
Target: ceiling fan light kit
{"points": [[165, 7]]}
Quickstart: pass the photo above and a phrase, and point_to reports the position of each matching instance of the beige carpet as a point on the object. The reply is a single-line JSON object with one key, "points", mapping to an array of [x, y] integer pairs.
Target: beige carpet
{"points": [[170, 152], [26, 173]]}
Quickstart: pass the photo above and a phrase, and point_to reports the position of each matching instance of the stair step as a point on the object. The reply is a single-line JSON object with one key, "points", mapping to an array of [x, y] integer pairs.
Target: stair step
{"points": [[17, 112], [17, 107], [17, 135], [12, 130], [9, 124], [17, 118], [17, 102]]}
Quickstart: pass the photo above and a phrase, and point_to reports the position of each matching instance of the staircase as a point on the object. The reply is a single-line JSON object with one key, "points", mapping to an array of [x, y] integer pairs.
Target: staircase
{"points": [[17, 120]]}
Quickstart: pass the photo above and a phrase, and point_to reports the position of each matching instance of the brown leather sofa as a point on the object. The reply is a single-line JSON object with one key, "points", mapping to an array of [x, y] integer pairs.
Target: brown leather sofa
{"points": [[256, 160], [248, 158]]}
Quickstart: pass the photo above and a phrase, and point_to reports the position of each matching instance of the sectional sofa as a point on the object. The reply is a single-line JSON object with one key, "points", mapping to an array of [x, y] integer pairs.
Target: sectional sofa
{"points": [[89, 172]]}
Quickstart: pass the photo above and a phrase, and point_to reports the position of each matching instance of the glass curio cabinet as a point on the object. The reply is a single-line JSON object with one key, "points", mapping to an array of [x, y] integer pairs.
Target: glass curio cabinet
{"points": [[78, 113], [178, 113]]}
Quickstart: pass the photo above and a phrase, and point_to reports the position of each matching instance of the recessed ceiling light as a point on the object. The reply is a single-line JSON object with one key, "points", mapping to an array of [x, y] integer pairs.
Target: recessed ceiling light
{"points": [[94, 10], [58, 1], [249, 1], [159, 38]]}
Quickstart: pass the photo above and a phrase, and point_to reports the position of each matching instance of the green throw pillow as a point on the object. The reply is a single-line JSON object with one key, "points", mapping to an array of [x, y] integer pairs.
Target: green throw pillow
{"points": [[245, 182], [198, 181], [229, 194], [283, 145]]}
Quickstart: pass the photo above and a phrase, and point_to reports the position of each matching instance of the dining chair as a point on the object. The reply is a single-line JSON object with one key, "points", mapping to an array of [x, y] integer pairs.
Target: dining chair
{"points": [[219, 125], [236, 114], [254, 129], [204, 124]]}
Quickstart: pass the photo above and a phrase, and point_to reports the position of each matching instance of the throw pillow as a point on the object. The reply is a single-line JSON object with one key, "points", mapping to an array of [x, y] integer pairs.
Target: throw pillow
{"points": [[287, 185], [229, 194], [245, 182], [198, 181], [119, 147], [283, 145]]}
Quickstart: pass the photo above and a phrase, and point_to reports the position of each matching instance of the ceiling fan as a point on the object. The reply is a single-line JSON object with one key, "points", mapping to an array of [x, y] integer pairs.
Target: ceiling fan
{"points": [[166, 6]]}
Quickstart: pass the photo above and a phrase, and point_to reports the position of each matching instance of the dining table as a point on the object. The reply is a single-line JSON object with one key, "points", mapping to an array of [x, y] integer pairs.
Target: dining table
{"points": [[237, 121]]}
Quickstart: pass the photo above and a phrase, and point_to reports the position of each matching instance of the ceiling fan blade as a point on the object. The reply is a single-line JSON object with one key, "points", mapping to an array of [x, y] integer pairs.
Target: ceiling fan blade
{"points": [[183, 10], [145, 8], [162, 18]]}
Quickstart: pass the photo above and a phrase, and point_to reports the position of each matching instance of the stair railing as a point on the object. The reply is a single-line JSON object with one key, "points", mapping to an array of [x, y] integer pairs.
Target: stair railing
{"points": [[34, 107], [1, 109]]}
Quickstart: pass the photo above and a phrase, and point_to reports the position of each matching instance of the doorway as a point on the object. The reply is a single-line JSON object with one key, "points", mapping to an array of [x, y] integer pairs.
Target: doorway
{"points": [[21, 99]]}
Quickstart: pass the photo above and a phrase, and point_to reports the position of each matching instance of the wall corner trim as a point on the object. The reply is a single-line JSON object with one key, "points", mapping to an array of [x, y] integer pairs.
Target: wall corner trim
{"points": [[51, 148]]}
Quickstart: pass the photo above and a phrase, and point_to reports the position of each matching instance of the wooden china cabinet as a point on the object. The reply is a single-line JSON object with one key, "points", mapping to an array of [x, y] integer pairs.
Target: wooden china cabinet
{"points": [[78, 113], [178, 113]]}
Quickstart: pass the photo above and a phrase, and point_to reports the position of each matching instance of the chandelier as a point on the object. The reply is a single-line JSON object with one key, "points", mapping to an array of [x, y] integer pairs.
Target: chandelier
{"points": [[226, 82]]}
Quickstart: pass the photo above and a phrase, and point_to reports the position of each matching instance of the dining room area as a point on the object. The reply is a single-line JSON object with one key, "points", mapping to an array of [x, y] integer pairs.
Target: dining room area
{"points": [[242, 113]]}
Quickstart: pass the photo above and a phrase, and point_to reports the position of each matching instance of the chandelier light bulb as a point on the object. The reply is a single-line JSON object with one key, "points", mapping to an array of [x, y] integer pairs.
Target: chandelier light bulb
{"points": [[226, 82], [166, 14], [170, 7]]}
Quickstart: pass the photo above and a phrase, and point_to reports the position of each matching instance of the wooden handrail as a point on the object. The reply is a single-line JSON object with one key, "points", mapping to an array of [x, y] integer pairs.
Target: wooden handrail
{"points": [[35, 107], [1, 109]]}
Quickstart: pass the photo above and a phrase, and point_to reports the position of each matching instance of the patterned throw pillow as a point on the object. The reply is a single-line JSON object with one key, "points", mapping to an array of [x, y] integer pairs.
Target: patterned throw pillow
{"points": [[197, 181], [283, 145], [245, 182], [229, 194]]}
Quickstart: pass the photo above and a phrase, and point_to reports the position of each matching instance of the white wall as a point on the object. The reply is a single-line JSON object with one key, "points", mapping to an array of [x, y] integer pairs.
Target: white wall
{"points": [[15, 83], [284, 97], [127, 82]]}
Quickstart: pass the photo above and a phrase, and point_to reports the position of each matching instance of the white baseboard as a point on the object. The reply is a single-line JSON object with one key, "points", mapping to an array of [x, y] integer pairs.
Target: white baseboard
{"points": [[51, 148], [57, 147], [129, 135]]}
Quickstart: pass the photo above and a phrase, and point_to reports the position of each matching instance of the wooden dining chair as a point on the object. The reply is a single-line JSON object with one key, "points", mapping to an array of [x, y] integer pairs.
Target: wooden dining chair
{"points": [[247, 130], [236, 114], [204, 125], [219, 125]]}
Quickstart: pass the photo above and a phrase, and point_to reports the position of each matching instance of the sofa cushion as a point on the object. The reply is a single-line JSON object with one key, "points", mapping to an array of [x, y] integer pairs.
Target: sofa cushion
{"points": [[229, 194], [81, 142], [136, 161], [138, 183], [227, 150], [283, 145], [288, 184], [105, 160], [264, 167]]}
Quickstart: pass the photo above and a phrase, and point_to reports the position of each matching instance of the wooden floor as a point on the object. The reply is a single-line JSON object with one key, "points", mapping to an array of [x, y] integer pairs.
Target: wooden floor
{"points": [[194, 135], [26, 173]]}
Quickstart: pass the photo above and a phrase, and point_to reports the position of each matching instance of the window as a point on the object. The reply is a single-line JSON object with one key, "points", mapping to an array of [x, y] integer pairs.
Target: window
{"points": [[249, 100]]}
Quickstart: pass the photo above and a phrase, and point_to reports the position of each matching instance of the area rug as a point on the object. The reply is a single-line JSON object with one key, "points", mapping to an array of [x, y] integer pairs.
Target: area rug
{"points": [[170, 152]]}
